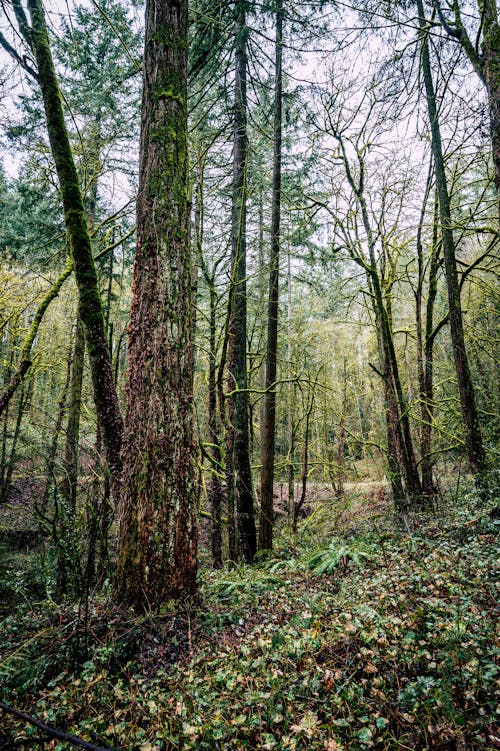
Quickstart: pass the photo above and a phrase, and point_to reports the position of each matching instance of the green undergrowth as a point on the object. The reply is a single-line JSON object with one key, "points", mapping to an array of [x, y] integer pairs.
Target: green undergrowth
{"points": [[368, 639]]}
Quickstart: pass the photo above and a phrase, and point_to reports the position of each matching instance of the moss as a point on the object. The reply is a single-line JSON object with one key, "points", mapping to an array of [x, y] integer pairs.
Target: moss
{"points": [[169, 94]]}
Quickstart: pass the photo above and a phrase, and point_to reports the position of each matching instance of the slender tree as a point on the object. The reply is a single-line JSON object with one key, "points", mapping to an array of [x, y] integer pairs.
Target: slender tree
{"points": [[269, 409], [237, 360], [473, 437], [157, 544], [36, 37]]}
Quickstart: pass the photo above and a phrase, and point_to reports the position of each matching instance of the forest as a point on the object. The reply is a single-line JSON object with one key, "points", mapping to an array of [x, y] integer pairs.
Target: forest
{"points": [[249, 383]]}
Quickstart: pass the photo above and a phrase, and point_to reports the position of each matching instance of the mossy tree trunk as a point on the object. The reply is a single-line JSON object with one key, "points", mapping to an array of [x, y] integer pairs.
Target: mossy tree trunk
{"points": [[90, 305], [157, 547]]}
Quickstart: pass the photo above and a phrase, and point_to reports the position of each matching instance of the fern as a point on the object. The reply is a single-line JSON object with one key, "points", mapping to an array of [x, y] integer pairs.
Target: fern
{"points": [[326, 561]]}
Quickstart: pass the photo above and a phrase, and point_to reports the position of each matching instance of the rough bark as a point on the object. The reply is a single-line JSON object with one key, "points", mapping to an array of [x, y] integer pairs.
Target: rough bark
{"points": [[268, 428], [238, 363], [105, 397], [157, 548], [473, 438]]}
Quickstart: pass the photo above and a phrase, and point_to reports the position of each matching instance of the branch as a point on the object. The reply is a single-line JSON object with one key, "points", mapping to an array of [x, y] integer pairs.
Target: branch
{"points": [[459, 32], [377, 371], [53, 732], [438, 327], [444, 23], [22, 22], [477, 261], [17, 57]]}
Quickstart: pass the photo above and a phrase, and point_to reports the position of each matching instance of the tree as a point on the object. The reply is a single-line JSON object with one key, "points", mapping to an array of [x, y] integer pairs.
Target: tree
{"points": [[240, 473], [473, 438], [485, 61], [157, 546], [269, 409], [37, 40]]}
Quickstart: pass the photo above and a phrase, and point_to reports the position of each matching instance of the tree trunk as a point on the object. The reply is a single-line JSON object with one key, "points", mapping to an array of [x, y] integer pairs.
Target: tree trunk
{"points": [[238, 363], [299, 505], [157, 547], [70, 463], [11, 462], [473, 437], [105, 397], [290, 399], [215, 491], [491, 69], [401, 455], [425, 349], [268, 429]]}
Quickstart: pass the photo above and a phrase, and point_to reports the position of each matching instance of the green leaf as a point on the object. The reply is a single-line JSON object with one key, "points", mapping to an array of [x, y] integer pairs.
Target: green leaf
{"points": [[365, 735]]}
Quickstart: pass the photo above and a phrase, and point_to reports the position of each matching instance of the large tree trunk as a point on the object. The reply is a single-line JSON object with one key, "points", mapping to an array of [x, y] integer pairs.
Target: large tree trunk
{"points": [[269, 410], [157, 549], [105, 397], [238, 362], [473, 438]]}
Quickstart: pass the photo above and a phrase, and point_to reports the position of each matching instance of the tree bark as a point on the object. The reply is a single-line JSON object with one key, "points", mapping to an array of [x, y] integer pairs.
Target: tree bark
{"points": [[269, 409], [157, 547]]}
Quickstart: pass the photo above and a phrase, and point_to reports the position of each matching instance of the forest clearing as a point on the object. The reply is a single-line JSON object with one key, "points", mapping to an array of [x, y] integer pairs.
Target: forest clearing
{"points": [[249, 382]]}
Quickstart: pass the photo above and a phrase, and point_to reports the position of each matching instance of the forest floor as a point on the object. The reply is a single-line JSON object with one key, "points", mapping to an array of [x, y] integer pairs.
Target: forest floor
{"points": [[356, 633]]}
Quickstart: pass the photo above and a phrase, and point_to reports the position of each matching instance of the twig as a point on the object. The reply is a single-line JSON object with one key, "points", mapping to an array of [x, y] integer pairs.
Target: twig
{"points": [[53, 732]]}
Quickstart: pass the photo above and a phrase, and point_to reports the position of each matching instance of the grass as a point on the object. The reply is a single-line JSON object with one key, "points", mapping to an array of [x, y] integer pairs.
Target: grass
{"points": [[352, 636]]}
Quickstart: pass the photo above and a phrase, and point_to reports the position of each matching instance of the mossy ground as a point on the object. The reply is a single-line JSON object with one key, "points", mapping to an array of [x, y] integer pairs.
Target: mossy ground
{"points": [[355, 634]]}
